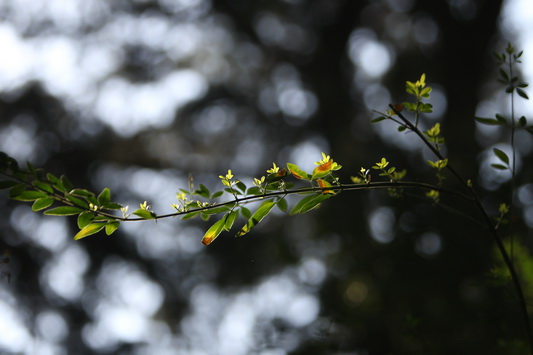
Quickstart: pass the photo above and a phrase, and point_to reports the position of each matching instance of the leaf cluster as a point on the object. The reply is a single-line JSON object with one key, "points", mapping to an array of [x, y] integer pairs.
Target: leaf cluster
{"points": [[33, 185], [507, 61]]}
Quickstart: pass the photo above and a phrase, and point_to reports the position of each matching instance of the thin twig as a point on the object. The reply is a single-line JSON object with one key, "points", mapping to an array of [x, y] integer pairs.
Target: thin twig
{"points": [[501, 247]]}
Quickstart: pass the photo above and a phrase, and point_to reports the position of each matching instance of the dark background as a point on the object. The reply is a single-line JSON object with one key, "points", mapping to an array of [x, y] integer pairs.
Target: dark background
{"points": [[364, 274]]}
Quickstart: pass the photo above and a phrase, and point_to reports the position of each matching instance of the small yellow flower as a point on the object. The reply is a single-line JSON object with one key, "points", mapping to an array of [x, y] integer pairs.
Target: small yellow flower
{"points": [[382, 164], [325, 159], [229, 175], [504, 208], [422, 82], [259, 182], [274, 169]]}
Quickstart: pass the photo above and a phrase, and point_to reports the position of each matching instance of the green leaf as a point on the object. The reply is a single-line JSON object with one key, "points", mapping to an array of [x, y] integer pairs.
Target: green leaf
{"points": [[232, 191], [63, 211], [90, 229], [410, 88], [144, 214], [81, 193], [190, 215], [217, 194], [277, 176], [111, 227], [16, 190], [314, 203], [77, 201], [241, 186], [409, 106], [245, 212], [42, 203], [217, 210], [499, 166], [29, 196], [112, 206], [7, 184], [66, 183], [501, 118], [425, 92], [428, 108], [273, 186], [202, 191], [31, 169], [504, 75], [298, 207], [85, 218], [282, 205], [104, 197], [257, 217], [43, 186], [378, 119], [254, 191], [503, 157], [230, 219], [56, 182], [214, 231], [488, 121], [522, 93], [522, 122]]}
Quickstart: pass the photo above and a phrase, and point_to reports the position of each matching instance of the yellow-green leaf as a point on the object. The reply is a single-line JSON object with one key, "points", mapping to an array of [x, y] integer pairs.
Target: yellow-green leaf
{"points": [[111, 227], [63, 211], [144, 214], [85, 218], [44, 186], [230, 219], [213, 231], [322, 170], [89, 229], [257, 217], [42, 203], [29, 196], [77, 201], [282, 205], [104, 197], [298, 207], [190, 215], [314, 203], [297, 172]]}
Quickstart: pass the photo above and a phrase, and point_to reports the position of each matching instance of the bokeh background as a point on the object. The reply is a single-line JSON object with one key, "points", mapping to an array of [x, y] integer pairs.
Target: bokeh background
{"points": [[138, 95]]}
